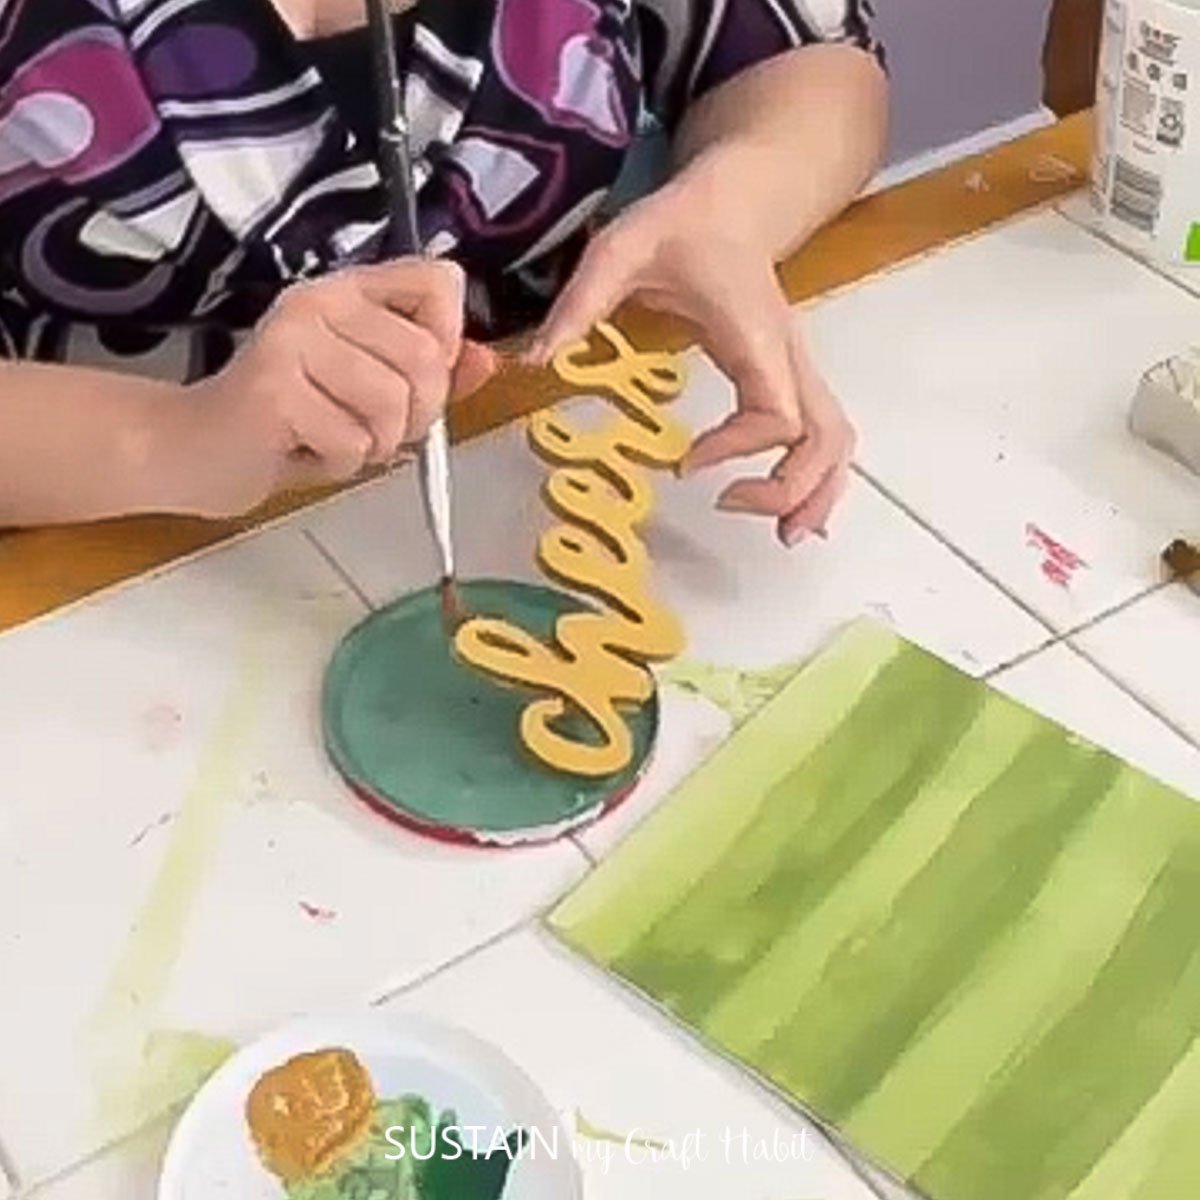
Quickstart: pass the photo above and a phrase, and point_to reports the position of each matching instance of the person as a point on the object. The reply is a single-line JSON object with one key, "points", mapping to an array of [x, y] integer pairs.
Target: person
{"points": [[192, 316]]}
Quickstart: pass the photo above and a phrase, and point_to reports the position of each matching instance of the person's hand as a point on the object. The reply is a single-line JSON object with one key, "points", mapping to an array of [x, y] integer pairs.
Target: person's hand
{"points": [[665, 253], [341, 374]]}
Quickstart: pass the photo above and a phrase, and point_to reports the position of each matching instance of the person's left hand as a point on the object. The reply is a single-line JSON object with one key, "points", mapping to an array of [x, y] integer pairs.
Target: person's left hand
{"points": [[667, 253]]}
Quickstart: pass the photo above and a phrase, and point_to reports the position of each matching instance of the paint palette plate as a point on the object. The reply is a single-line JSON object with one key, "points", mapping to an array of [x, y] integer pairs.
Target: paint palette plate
{"points": [[466, 1082], [427, 740]]}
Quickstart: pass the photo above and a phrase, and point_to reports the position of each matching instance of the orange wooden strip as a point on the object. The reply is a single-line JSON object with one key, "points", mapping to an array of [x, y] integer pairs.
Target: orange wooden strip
{"points": [[43, 569]]}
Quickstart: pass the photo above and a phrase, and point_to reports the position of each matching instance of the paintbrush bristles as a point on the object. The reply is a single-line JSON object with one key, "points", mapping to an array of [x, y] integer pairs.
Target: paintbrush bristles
{"points": [[455, 613]]}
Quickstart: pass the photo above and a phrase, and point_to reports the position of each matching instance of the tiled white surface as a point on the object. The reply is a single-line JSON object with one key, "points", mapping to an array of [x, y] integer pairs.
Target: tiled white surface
{"points": [[1153, 648], [993, 395], [596, 1049], [171, 732], [127, 1171], [1065, 687]]}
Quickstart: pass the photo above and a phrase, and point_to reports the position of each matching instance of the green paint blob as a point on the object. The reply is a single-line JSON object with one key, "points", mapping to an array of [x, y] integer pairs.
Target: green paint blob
{"points": [[176, 1063], [171, 1067], [739, 693], [427, 737], [445, 1167], [589, 1131]]}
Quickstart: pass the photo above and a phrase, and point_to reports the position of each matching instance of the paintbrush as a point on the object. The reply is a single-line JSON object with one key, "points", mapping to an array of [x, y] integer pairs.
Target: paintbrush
{"points": [[403, 238]]}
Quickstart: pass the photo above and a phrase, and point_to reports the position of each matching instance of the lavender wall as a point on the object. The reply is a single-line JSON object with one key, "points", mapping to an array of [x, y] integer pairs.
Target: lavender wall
{"points": [[960, 66]]}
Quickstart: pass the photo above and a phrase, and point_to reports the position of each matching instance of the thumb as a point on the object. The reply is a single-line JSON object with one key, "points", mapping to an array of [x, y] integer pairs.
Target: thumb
{"points": [[603, 279], [476, 365]]}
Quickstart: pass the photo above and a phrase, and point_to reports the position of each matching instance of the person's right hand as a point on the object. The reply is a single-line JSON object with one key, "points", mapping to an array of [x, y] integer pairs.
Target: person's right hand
{"points": [[342, 373]]}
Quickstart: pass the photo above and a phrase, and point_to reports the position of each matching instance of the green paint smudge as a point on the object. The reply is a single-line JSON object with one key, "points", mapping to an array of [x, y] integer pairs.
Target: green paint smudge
{"points": [[122, 1044], [739, 693], [591, 1132], [453, 1170], [174, 1065]]}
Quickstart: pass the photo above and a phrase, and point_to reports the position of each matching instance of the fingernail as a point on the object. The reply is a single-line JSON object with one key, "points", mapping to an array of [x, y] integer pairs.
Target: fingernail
{"points": [[793, 537], [822, 533], [683, 468], [733, 504]]}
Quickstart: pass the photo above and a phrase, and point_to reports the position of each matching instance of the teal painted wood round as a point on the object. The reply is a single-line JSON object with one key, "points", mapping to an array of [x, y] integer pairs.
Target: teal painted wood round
{"points": [[433, 743]]}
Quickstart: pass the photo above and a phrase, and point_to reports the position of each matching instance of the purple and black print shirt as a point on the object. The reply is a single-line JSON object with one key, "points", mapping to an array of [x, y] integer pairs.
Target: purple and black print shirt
{"points": [[173, 164]]}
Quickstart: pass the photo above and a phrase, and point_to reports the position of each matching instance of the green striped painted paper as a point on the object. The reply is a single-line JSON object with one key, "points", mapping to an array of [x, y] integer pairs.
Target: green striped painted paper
{"points": [[962, 936]]}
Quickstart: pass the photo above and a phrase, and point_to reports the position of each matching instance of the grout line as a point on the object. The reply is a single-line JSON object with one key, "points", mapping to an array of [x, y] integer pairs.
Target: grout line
{"points": [[957, 551], [1022, 658], [168, 1116], [8, 1171], [433, 973], [337, 568], [1065, 637], [577, 841], [1118, 608], [1139, 700], [1057, 635]]}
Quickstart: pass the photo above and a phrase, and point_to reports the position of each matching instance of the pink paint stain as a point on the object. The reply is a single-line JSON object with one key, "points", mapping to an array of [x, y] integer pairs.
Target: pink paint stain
{"points": [[1059, 563], [161, 726], [316, 913]]}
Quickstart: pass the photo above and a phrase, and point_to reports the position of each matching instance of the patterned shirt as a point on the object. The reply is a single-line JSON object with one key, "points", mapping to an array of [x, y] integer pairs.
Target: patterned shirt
{"points": [[171, 165]]}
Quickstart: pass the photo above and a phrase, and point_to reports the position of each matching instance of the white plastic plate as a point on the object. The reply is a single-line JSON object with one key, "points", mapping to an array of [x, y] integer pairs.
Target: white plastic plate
{"points": [[211, 1154]]}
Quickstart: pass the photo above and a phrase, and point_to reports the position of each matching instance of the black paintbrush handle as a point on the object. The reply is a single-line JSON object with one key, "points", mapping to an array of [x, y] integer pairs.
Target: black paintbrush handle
{"points": [[404, 235]]}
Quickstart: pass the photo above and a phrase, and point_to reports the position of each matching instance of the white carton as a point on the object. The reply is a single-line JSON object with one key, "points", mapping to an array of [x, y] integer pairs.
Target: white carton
{"points": [[1146, 169], [1166, 409]]}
